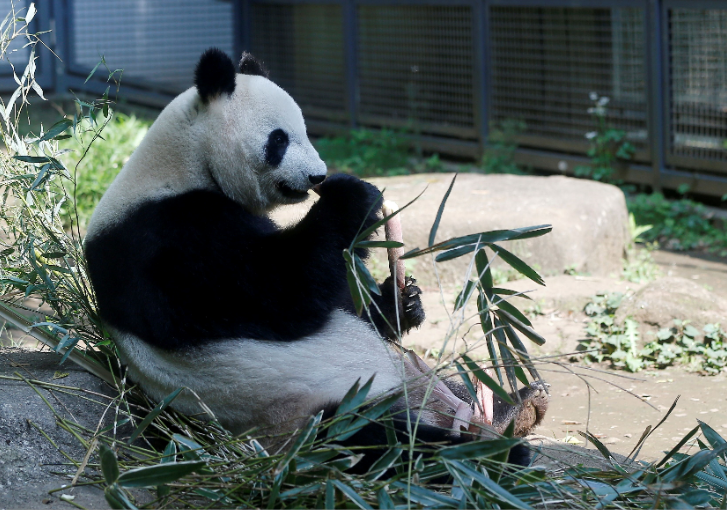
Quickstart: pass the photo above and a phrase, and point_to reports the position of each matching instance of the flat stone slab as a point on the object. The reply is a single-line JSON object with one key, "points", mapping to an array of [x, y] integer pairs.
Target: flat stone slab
{"points": [[30, 466], [590, 220]]}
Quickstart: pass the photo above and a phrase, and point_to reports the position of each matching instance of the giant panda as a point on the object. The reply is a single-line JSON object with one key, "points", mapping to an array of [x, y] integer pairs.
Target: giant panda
{"points": [[201, 289]]}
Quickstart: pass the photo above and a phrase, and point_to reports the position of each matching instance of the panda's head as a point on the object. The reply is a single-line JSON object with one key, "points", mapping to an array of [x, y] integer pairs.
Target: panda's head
{"points": [[253, 134]]}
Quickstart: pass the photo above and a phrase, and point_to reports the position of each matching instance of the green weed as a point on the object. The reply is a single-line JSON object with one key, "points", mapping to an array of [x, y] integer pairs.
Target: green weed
{"points": [[502, 144], [609, 146], [618, 344], [678, 224], [374, 153]]}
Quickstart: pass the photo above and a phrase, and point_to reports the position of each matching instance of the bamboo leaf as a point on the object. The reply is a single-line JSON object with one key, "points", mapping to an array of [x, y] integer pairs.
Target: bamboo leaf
{"points": [[365, 234], [478, 449], [465, 295], [510, 309], [109, 465], [483, 269], [365, 276], [154, 414], [599, 445], [454, 253], [56, 129], [508, 361], [526, 330], [488, 484], [351, 494], [158, 474], [117, 499], [435, 225], [483, 237], [714, 438], [481, 375], [517, 264]]}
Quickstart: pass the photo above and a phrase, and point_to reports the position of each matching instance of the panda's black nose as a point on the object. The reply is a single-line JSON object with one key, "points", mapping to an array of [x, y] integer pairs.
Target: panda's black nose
{"points": [[317, 179]]}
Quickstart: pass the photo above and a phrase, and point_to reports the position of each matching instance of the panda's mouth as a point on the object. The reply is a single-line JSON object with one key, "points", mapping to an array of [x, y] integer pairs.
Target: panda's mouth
{"points": [[291, 193]]}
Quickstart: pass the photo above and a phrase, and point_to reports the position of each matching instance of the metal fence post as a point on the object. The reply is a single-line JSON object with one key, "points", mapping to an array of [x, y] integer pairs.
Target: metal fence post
{"points": [[241, 26], [481, 10], [658, 83], [350, 34]]}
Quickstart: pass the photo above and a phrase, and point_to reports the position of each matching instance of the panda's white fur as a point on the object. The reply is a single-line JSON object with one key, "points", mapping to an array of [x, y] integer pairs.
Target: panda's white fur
{"points": [[224, 136], [251, 383]]}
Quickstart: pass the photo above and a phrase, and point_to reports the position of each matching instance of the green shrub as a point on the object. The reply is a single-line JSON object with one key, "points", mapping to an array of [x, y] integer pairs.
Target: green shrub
{"points": [[499, 156], [678, 224], [374, 153], [617, 344], [97, 169], [608, 146]]}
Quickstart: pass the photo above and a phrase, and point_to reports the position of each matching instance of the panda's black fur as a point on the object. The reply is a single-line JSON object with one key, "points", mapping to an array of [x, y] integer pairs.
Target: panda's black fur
{"points": [[159, 273], [201, 289]]}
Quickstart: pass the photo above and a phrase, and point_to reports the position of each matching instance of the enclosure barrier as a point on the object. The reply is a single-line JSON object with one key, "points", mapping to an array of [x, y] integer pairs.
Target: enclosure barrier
{"points": [[443, 72]]}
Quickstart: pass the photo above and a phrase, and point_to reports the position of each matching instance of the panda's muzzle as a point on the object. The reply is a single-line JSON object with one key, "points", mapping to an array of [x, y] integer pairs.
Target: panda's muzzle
{"points": [[291, 193]]}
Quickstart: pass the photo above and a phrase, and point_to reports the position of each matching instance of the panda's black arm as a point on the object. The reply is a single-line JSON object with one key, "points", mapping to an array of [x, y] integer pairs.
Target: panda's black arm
{"points": [[199, 267]]}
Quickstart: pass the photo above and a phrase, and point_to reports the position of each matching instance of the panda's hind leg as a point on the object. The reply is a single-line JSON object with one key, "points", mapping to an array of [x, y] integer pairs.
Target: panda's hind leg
{"points": [[527, 412]]}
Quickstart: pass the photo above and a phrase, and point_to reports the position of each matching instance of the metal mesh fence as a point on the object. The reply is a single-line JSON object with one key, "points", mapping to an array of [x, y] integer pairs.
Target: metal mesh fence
{"points": [[416, 68], [303, 47], [157, 42], [546, 62], [698, 73], [15, 53]]}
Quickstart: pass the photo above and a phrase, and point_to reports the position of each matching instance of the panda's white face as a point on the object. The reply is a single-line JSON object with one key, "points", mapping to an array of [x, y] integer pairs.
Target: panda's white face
{"points": [[258, 149]]}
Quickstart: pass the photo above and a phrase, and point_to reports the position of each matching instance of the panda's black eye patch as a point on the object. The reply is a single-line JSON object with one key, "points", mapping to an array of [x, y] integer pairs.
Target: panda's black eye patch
{"points": [[275, 147]]}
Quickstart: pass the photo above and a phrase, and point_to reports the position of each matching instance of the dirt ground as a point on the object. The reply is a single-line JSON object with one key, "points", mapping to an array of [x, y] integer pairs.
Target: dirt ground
{"points": [[615, 406]]}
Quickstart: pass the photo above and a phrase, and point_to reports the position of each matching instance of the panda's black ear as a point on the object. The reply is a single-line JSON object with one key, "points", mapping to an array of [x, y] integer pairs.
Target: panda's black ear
{"points": [[215, 74], [249, 65]]}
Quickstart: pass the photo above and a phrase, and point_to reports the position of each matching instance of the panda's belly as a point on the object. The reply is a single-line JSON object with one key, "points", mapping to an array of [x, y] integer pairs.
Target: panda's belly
{"points": [[250, 383]]}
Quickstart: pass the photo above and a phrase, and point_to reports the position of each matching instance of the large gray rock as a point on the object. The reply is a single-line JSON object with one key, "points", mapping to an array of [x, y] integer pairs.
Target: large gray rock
{"points": [[30, 465], [590, 220]]}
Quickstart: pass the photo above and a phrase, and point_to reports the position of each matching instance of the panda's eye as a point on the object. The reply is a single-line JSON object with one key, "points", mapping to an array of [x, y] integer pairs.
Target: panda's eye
{"points": [[275, 147]]}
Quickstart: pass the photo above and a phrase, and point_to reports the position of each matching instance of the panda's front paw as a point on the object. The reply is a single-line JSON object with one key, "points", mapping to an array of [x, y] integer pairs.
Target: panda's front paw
{"points": [[355, 201], [395, 307], [412, 304]]}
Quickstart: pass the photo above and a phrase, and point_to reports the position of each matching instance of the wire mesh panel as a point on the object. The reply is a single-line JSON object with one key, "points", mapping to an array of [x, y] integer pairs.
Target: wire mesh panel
{"points": [[15, 53], [698, 50], [416, 68], [155, 42], [546, 62], [303, 47]]}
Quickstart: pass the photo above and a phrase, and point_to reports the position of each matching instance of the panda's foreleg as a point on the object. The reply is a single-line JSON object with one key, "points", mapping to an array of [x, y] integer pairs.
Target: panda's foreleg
{"points": [[397, 311]]}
